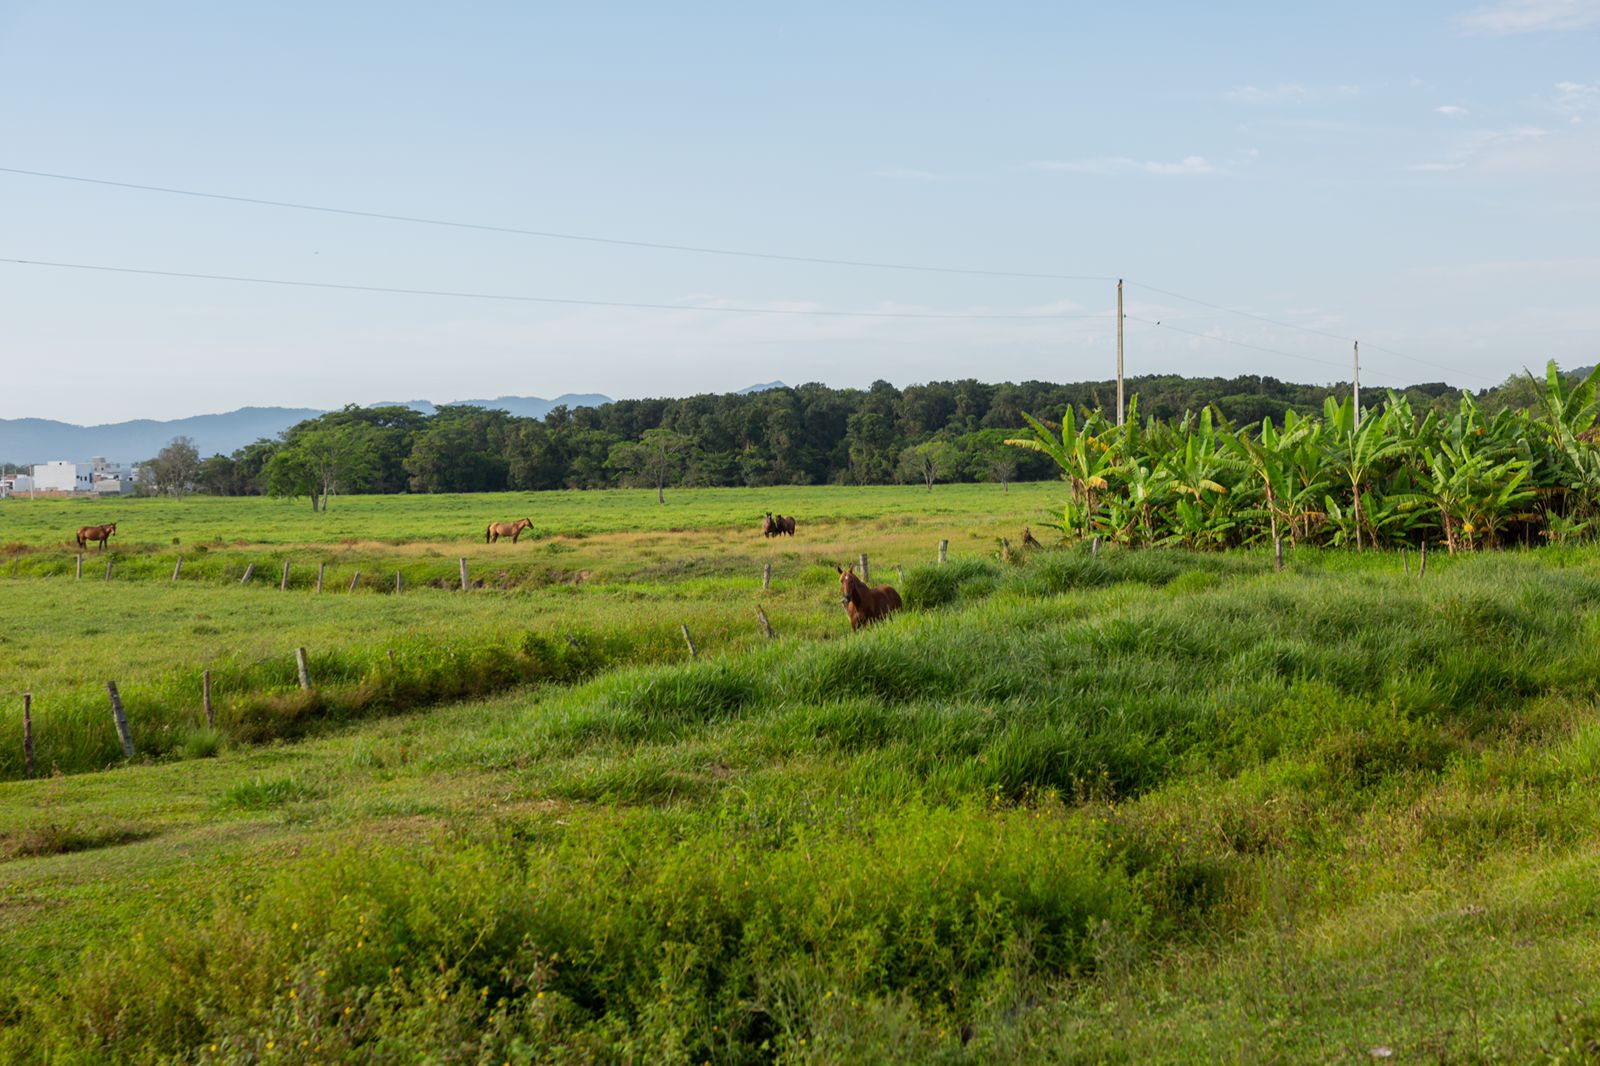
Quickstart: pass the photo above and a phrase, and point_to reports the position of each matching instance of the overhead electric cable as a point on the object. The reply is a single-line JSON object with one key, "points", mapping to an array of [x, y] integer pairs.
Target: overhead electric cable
{"points": [[1290, 325], [294, 283], [553, 235], [1240, 344]]}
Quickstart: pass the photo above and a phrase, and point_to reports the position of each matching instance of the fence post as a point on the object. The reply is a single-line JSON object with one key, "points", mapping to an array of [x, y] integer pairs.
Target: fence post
{"points": [[305, 668], [766, 576], [248, 570], [944, 548], [1094, 547], [693, 653], [766, 626], [1422, 565], [108, 568], [1005, 549], [1405, 559], [901, 569], [463, 575], [399, 584], [205, 700], [863, 561], [27, 732], [1277, 550], [80, 566], [354, 581], [120, 719], [177, 568], [284, 584]]}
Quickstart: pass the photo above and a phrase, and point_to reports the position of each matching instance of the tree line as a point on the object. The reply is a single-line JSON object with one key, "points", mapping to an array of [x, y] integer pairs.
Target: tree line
{"points": [[810, 434]]}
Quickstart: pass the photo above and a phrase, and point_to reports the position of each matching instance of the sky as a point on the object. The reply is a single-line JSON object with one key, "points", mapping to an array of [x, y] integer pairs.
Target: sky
{"points": [[1273, 181]]}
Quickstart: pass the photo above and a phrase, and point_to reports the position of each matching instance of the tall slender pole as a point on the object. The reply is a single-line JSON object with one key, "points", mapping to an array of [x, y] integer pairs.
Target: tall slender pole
{"points": [[1355, 381], [1119, 351]]}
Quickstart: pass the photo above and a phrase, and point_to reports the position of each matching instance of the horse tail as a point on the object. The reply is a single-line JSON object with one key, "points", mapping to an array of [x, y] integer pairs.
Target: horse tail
{"points": [[487, 532]]}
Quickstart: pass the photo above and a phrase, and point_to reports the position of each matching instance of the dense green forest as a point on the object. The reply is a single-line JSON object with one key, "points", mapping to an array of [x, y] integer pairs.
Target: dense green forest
{"points": [[811, 434]]}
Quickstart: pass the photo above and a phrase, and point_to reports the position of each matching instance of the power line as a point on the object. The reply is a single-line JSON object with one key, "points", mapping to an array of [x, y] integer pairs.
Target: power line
{"points": [[295, 283], [698, 250], [1302, 329], [1240, 344], [553, 235]]}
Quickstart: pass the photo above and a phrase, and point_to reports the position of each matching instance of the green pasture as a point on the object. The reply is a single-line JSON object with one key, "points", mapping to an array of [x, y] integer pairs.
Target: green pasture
{"points": [[1145, 806], [613, 586], [421, 521]]}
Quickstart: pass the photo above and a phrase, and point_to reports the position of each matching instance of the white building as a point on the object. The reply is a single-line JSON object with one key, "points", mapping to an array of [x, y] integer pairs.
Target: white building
{"points": [[58, 475], [15, 484]]}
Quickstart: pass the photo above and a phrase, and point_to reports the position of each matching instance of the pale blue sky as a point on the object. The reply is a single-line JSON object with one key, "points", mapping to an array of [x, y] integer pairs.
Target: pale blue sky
{"points": [[1425, 177]]}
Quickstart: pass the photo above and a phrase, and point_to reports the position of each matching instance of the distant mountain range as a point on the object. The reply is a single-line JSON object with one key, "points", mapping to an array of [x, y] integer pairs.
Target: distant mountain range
{"points": [[39, 440]]}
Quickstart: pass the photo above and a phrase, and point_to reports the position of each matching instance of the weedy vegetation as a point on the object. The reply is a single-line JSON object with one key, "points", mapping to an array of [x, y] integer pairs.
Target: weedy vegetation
{"points": [[1069, 805]]}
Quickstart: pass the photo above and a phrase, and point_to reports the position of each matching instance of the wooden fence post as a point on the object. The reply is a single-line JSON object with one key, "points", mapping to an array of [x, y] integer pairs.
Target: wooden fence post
{"points": [[248, 570], [320, 568], [944, 548], [766, 576], [305, 668], [463, 575], [693, 653], [354, 581], [177, 568], [863, 561], [1277, 550], [1094, 547], [108, 568], [27, 733], [80, 566], [766, 626], [1422, 565], [205, 700], [120, 719], [901, 569], [283, 585], [399, 583]]}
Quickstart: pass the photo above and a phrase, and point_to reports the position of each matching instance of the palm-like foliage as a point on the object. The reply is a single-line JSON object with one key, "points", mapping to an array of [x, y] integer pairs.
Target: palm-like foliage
{"points": [[1468, 479]]}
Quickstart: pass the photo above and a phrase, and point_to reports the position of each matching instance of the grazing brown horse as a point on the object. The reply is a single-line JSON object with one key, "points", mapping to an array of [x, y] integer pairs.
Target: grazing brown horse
{"points": [[776, 527], [99, 533], [865, 604], [513, 530]]}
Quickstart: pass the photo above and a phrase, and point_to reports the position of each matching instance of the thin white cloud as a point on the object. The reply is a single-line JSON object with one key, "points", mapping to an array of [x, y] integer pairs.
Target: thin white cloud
{"points": [[1531, 16], [1433, 168], [1576, 100], [1189, 165], [1451, 111]]}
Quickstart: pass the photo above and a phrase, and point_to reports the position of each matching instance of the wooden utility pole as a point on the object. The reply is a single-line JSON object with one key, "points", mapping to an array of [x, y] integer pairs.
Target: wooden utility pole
{"points": [[1119, 351], [1355, 381]]}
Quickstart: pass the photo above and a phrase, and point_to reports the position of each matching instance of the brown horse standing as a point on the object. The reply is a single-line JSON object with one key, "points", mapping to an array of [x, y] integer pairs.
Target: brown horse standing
{"points": [[776, 527], [865, 604], [513, 530], [99, 533]]}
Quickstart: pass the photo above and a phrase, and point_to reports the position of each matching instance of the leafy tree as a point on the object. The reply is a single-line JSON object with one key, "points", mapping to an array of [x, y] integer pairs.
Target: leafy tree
{"points": [[656, 458], [930, 461], [175, 467], [322, 459]]}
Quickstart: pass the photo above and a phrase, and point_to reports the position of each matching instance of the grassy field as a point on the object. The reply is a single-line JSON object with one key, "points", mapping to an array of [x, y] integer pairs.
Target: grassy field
{"points": [[1146, 806], [611, 572]]}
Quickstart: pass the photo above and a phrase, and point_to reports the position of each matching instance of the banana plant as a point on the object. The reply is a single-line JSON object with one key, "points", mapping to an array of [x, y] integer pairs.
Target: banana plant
{"points": [[1087, 461]]}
